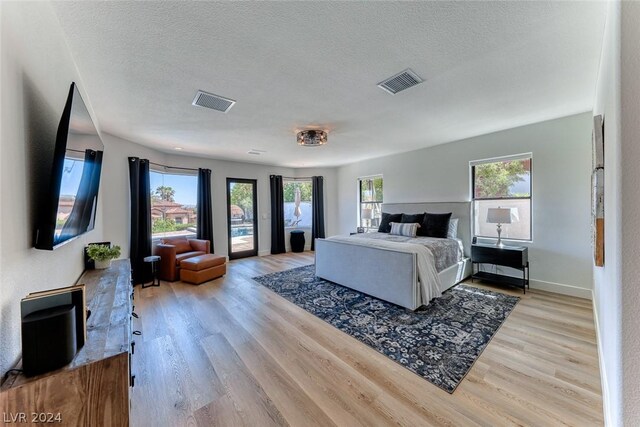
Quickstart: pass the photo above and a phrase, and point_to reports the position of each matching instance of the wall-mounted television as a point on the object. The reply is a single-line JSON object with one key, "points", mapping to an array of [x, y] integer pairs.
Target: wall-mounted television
{"points": [[69, 208]]}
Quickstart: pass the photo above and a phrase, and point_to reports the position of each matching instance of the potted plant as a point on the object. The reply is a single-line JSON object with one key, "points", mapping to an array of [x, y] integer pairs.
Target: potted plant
{"points": [[102, 255]]}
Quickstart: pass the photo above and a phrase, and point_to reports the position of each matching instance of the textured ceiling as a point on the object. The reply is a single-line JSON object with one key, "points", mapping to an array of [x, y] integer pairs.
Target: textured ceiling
{"points": [[487, 66]]}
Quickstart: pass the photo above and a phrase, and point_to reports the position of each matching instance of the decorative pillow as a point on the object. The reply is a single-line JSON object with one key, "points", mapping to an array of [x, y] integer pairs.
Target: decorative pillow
{"points": [[435, 225], [386, 219], [408, 230], [410, 219], [453, 229]]}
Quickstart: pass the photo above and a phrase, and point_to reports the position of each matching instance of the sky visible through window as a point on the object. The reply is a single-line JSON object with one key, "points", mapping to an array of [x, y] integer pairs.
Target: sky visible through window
{"points": [[184, 186], [173, 204]]}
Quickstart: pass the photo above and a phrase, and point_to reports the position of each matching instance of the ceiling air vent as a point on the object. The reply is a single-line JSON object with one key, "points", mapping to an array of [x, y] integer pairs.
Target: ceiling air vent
{"points": [[400, 82], [214, 102]]}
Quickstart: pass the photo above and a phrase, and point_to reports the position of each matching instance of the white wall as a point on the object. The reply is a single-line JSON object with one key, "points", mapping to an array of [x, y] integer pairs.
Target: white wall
{"points": [[617, 284], [606, 289], [630, 211], [560, 253], [115, 191], [36, 72]]}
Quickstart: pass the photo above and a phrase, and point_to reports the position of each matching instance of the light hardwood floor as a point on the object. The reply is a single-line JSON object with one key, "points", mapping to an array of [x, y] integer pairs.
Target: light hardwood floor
{"points": [[231, 352]]}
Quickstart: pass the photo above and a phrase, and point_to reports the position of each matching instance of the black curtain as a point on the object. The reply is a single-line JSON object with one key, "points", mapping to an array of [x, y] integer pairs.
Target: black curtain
{"points": [[140, 241], [317, 202], [205, 214], [86, 200], [277, 215]]}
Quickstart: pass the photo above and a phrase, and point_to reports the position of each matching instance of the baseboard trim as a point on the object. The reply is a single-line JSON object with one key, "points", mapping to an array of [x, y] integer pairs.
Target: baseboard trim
{"points": [[558, 288], [306, 248], [608, 421], [264, 253], [561, 288]]}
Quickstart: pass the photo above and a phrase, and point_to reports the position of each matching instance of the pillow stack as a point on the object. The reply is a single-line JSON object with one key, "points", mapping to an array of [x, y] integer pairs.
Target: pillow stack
{"points": [[387, 218], [427, 225], [412, 218]]}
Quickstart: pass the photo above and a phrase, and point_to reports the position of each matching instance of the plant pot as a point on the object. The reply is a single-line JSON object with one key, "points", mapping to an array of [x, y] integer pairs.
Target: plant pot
{"points": [[101, 265]]}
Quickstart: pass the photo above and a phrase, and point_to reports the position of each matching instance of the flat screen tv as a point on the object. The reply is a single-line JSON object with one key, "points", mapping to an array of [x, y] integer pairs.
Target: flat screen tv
{"points": [[69, 208]]}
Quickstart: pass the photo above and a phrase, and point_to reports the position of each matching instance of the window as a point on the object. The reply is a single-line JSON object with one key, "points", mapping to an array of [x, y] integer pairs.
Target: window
{"points": [[173, 204], [297, 203], [370, 206], [502, 183]]}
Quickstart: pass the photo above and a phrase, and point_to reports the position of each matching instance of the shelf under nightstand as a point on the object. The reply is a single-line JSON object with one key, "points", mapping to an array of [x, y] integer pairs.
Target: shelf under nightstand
{"points": [[516, 257]]}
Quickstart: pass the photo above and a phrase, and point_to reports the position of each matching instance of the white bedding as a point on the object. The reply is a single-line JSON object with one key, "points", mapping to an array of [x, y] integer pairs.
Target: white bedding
{"points": [[429, 281]]}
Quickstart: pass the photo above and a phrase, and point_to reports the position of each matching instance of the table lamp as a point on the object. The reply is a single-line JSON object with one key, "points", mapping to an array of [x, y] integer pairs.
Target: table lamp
{"points": [[499, 216], [367, 213]]}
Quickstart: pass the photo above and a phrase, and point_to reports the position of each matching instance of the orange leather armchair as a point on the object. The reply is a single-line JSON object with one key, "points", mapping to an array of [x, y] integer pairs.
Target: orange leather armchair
{"points": [[172, 250]]}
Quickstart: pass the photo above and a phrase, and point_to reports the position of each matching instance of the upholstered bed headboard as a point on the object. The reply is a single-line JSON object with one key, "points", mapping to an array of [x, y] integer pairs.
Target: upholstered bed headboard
{"points": [[461, 210]]}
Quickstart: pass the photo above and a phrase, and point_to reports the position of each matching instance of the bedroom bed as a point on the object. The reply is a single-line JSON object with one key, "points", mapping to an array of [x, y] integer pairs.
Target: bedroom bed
{"points": [[398, 269]]}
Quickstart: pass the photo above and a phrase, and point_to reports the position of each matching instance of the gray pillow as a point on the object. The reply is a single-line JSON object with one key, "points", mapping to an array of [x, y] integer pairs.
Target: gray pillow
{"points": [[453, 229], [404, 229]]}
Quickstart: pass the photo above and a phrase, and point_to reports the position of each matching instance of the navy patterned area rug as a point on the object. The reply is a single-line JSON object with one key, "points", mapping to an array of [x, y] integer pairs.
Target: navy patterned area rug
{"points": [[439, 342]]}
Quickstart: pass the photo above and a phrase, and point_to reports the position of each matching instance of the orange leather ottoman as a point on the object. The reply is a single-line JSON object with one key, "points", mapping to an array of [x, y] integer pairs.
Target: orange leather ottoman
{"points": [[202, 268]]}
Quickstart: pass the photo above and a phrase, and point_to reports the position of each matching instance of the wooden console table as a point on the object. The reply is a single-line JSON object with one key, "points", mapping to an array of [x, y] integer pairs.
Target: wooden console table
{"points": [[92, 390]]}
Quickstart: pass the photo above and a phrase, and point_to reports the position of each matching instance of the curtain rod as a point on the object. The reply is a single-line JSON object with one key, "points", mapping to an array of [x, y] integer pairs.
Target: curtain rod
{"points": [[173, 167]]}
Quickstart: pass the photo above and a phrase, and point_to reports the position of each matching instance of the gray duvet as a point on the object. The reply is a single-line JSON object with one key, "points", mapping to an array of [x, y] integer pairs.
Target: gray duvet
{"points": [[446, 252]]}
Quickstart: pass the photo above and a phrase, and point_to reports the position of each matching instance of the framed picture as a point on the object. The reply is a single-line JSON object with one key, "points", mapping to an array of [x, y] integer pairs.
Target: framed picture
{"points": [[597, 192]]}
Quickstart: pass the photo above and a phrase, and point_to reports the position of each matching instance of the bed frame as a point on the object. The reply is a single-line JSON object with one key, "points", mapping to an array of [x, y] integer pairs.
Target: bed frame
{"points": [[390, 275]]}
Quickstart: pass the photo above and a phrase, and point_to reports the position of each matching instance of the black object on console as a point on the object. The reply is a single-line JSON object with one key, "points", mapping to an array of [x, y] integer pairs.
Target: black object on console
{"points": [[48, 339]]}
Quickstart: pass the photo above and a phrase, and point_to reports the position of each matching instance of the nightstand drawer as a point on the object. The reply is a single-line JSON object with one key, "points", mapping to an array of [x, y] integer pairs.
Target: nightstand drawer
{"points": [[508, 256]]}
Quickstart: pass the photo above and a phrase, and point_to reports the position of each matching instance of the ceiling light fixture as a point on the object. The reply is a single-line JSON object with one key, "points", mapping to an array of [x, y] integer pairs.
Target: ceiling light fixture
{"points": [[312, 138], [177, 148]]}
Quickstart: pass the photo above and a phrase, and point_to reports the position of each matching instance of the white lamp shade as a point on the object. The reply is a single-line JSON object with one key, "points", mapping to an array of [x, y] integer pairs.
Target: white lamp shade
{"points": [[499, 216], [515, 216], [367, 213]]}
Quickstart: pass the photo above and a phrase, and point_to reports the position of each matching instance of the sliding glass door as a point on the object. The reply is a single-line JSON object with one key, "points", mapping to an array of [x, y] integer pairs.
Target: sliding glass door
{"points": [[242, 217]]}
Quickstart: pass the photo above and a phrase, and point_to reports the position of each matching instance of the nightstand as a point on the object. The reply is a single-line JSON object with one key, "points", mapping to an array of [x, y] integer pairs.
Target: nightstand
{"points": [[508, 256]]}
